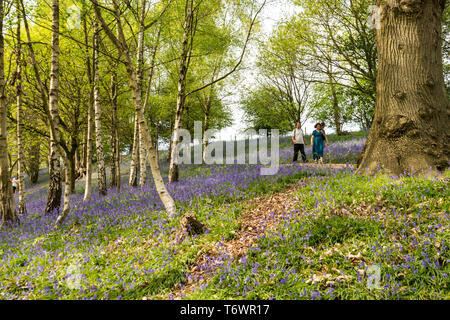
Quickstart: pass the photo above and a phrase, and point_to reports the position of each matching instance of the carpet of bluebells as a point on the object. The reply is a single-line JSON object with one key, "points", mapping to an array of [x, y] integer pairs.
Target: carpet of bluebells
{"points": [[351, 237], [122, 246]]}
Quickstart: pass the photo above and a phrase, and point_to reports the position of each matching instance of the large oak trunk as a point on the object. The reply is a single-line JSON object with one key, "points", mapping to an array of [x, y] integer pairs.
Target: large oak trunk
{"points": [[410, 129]]}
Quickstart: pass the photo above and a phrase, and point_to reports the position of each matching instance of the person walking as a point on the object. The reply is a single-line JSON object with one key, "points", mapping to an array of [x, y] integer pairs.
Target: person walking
{"points": [[318, 138], [14, 184], [299, 143]]}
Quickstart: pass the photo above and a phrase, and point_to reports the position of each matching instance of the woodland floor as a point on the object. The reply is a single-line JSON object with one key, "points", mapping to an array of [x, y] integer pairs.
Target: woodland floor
{"points": [[311, 232]]}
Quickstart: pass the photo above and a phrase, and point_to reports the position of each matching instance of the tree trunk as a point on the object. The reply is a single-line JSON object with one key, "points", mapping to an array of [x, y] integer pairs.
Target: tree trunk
{"points": [[102, 187], [83, 156], [54, 186], [121, 44], [33, 162], [7, 203], [206, 127], [169, 151], [140, 80], [78, 164], [90, 122], [89, 149], [181, 96], [156, 142], [66, 206], [53, 108], [411, 128], [142, 160], [71, 168], [20, 158], [115, 161], [132, 181], [336, 110]]}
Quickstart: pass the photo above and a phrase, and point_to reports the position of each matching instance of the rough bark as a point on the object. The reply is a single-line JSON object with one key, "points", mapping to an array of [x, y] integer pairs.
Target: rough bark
{"points": [[190, 225], [22, 209], [7, 203], [102, 187], [411, 128]]}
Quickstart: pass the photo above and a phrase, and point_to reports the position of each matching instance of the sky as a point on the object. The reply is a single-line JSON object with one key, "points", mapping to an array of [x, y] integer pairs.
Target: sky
{"points": [[274, 11]]}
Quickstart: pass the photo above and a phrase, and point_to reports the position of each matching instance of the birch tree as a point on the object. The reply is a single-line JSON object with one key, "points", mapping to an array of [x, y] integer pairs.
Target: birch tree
{"points": [[115, 161], [134, 165], [102, 188], [20, 154], [136, 91], [54, 112], [191, 12]]}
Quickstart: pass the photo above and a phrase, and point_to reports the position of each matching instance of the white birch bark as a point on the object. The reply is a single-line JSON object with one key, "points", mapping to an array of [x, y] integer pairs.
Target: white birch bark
{"points": [[20, 159], [102, 187]]}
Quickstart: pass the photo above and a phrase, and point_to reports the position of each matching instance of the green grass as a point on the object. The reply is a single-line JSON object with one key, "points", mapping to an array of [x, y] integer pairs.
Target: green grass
{"points": [[350, 223]]}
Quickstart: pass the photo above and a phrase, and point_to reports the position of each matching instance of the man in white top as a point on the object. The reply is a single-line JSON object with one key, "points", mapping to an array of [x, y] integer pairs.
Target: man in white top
{"points": [[299, 142]]}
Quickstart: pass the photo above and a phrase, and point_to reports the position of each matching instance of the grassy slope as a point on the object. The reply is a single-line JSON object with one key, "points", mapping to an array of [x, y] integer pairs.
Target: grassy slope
{"points": [[311, 255], [350, 223]]}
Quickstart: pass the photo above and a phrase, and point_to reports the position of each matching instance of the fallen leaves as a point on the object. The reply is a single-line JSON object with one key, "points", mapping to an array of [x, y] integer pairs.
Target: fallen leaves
{"points": [[329, 278], [262, 215]]}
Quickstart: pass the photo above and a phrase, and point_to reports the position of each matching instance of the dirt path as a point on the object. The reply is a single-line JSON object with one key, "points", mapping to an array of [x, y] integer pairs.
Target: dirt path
{"points": [[255, 222], [323, 165], [262, 215]]}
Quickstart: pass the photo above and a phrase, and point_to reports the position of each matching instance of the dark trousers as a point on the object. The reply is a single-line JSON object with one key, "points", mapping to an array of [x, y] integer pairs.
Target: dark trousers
{"points": [[301, 148]]}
